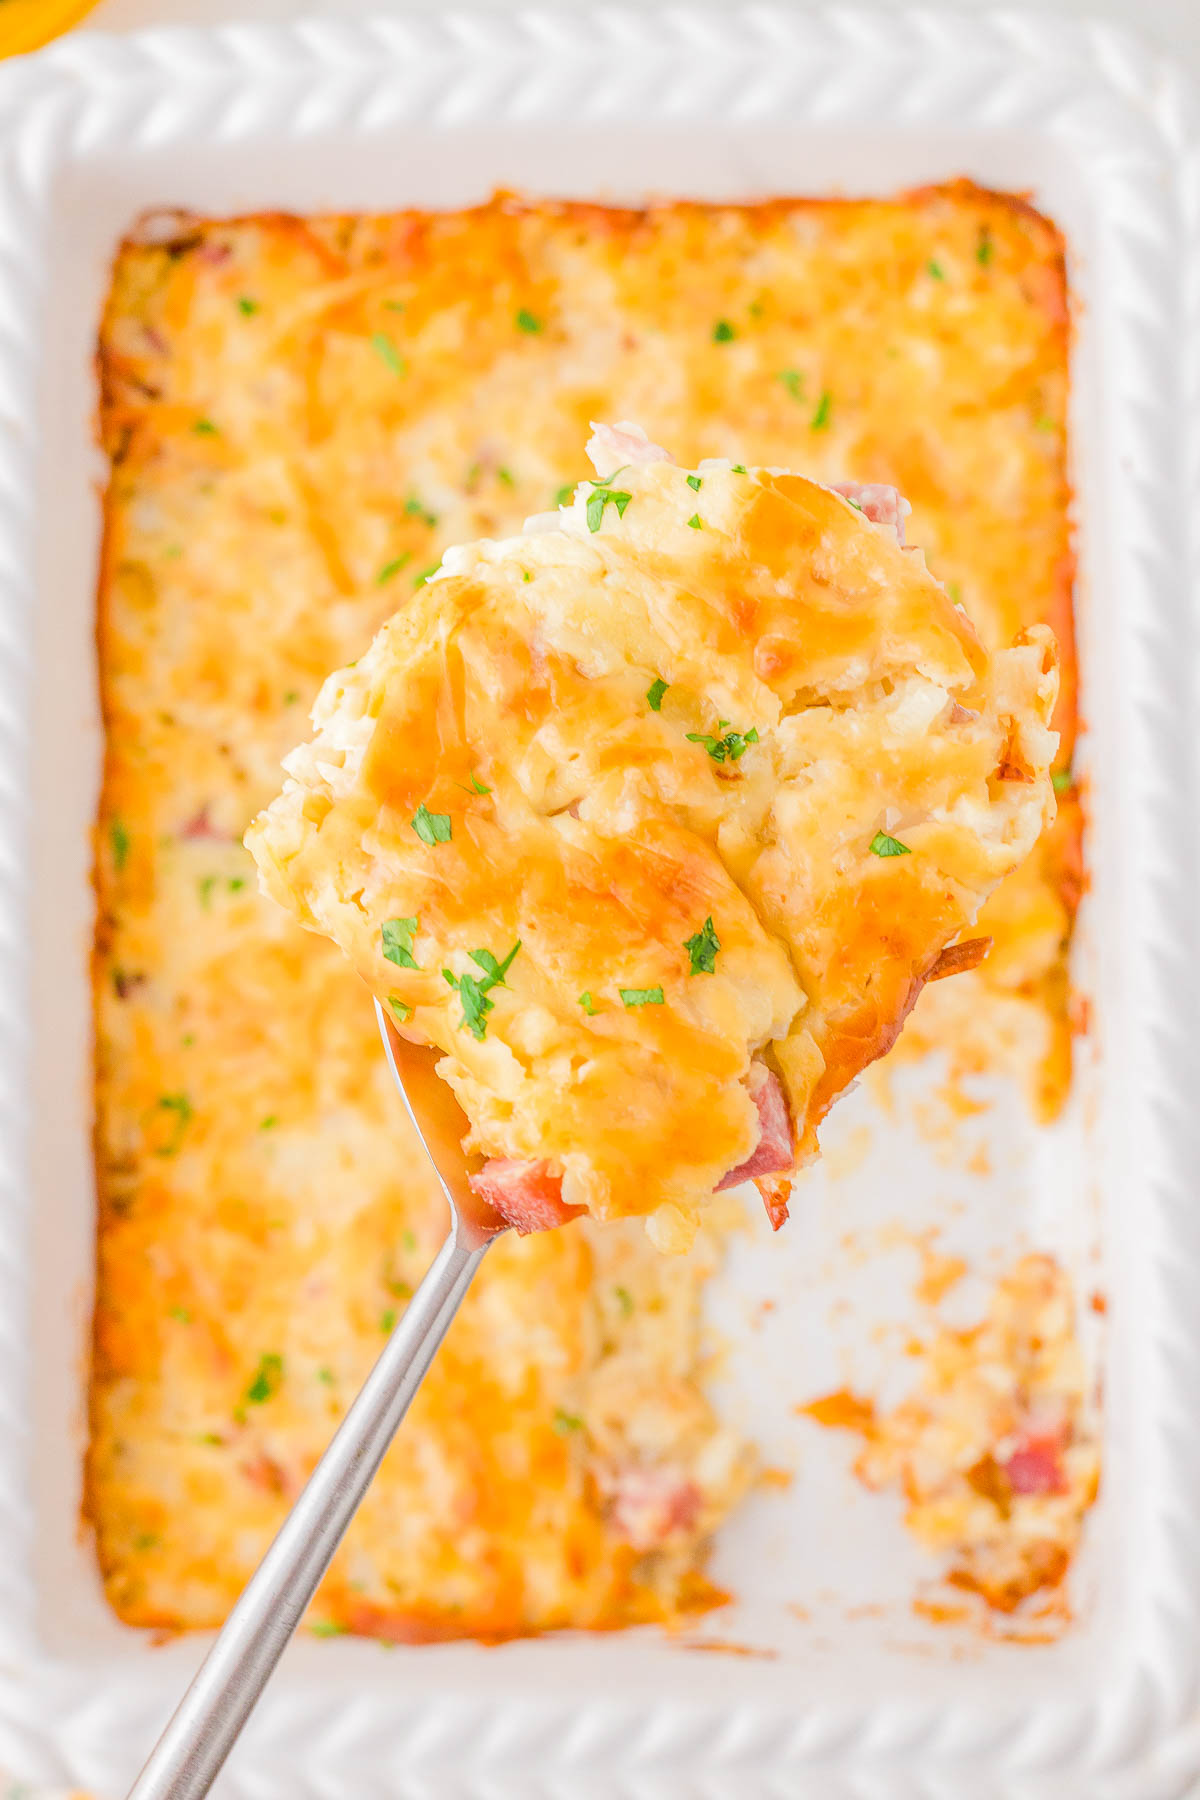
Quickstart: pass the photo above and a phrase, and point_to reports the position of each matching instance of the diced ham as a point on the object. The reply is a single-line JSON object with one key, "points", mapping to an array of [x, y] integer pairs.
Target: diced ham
{"points": [[200, 828], [775, 1150], [881, 504], [528, 1195], [615, 446], [1035, 1467], [652, 1505]]}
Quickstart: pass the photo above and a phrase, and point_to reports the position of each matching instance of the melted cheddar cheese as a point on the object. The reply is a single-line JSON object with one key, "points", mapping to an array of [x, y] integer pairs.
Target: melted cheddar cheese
{"points": [[299, 416]]}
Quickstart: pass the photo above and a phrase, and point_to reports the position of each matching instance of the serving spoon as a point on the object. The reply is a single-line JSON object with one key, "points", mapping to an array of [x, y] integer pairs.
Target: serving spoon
{"points": [[208, 1720]]}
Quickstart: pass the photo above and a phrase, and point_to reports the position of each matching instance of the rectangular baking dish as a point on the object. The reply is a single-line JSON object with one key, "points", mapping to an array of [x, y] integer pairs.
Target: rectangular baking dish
{"points": [[857, 1698]]}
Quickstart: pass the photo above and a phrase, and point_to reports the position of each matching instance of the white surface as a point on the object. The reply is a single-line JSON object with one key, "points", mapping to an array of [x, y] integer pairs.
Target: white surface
{"points": [[848, 1709]]}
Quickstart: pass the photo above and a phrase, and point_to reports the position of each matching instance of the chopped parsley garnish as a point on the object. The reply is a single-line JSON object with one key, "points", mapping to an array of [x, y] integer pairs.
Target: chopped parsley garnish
{"points": [[387, 1319], [182, 1314], [985, 249], [695, 482], [588, 1004], [1046, 423], [506, 476], [267, 1378], [820, 419], [565, 1422], [393, 568], [624, 1300], [417, 509], [181, 1107], [793, 381], [291, 697], [599, 498], [738, 469], [118, 838], [204, 428], [883, 845], [641, 996], [247, 305], [654, 694], [206, 885], [723, 331], [269, 1123], [236, 883], [384, 348], [731, 747], [955, 593], [394, 305], [702, 947], [397, 935], [694, 521], [473, 990], [935, 269], [527, 321], [327, 1628], [476, 786], [563, 496], [426, 574], [325, 1375], [402, 1012], [1062, 779], [853, 503], [525, 575], [432, 828]]}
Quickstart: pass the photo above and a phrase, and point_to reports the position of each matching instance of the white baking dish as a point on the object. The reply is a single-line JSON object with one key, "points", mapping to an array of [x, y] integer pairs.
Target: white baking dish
{"points": [[619, 104]]}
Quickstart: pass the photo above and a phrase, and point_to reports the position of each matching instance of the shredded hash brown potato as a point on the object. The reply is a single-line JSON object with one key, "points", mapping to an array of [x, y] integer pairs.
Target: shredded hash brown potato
{"points": [[996, 1451], [643, 936], [300, 415]]}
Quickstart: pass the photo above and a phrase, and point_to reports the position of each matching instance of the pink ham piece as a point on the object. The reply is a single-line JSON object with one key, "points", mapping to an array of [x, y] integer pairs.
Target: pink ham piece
{"points": [[775, 1150], [1035, 1466], [652, 1505], [882, 505], [613, 447], [527, 1195]]}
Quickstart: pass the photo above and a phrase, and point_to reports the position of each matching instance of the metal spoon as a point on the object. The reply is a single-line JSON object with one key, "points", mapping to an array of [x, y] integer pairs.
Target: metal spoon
{"points": [[204, 1728]]}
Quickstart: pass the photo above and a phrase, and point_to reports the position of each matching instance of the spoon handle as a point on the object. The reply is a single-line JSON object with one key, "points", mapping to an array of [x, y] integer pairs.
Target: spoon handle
{"points": [[206, 1724]]}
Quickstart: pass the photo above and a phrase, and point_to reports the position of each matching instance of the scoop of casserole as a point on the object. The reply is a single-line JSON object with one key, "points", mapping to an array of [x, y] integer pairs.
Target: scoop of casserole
{"points": [[656, 818]]}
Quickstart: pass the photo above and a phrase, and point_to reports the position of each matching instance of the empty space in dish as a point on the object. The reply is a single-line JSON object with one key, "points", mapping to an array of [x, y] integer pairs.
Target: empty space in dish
{"points": [[355, 120]]}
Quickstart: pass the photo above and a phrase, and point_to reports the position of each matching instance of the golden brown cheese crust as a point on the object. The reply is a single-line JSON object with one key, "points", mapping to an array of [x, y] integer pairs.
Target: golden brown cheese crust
{"points": [[260, 434], [584, 676]]}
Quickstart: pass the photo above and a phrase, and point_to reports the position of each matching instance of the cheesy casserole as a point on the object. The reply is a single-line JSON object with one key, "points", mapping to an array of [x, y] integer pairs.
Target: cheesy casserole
{"points": [[713, 927], [299, 416]]}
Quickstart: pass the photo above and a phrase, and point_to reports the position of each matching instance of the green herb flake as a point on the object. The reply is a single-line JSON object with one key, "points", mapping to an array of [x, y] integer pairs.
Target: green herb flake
{"points": [[393, 568], [473, 990], [793, 381], [985, 249], [565, 1422], [934, 269], [204, 428], [820, 419], [432, 828], [652, 996], [387, 1319], [409, 1240], [955, 593], [564, 495], [702, 947], [624, 1300], [269, 1123], [883, 845], [246, 305], [599, 498], [739, 469], [476, 787], [588, 1004], [730, 748], [525, 575], [181, 1108], [507, 477], [397, 937], [1062, 780], [236, 883], [694, 522], [325, 1375], [402, 1012], [267, 1379], [1046, 423], [206, 884], [426, 575], [415, 508], [209, 1438], [527, 321], [173, 551], [182, 1314], [291, 697], [695, 482], [118, 839], [654, 694], [327, 1628], [145, 1540], [394, 305], [387, 352], [723, 332]]}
